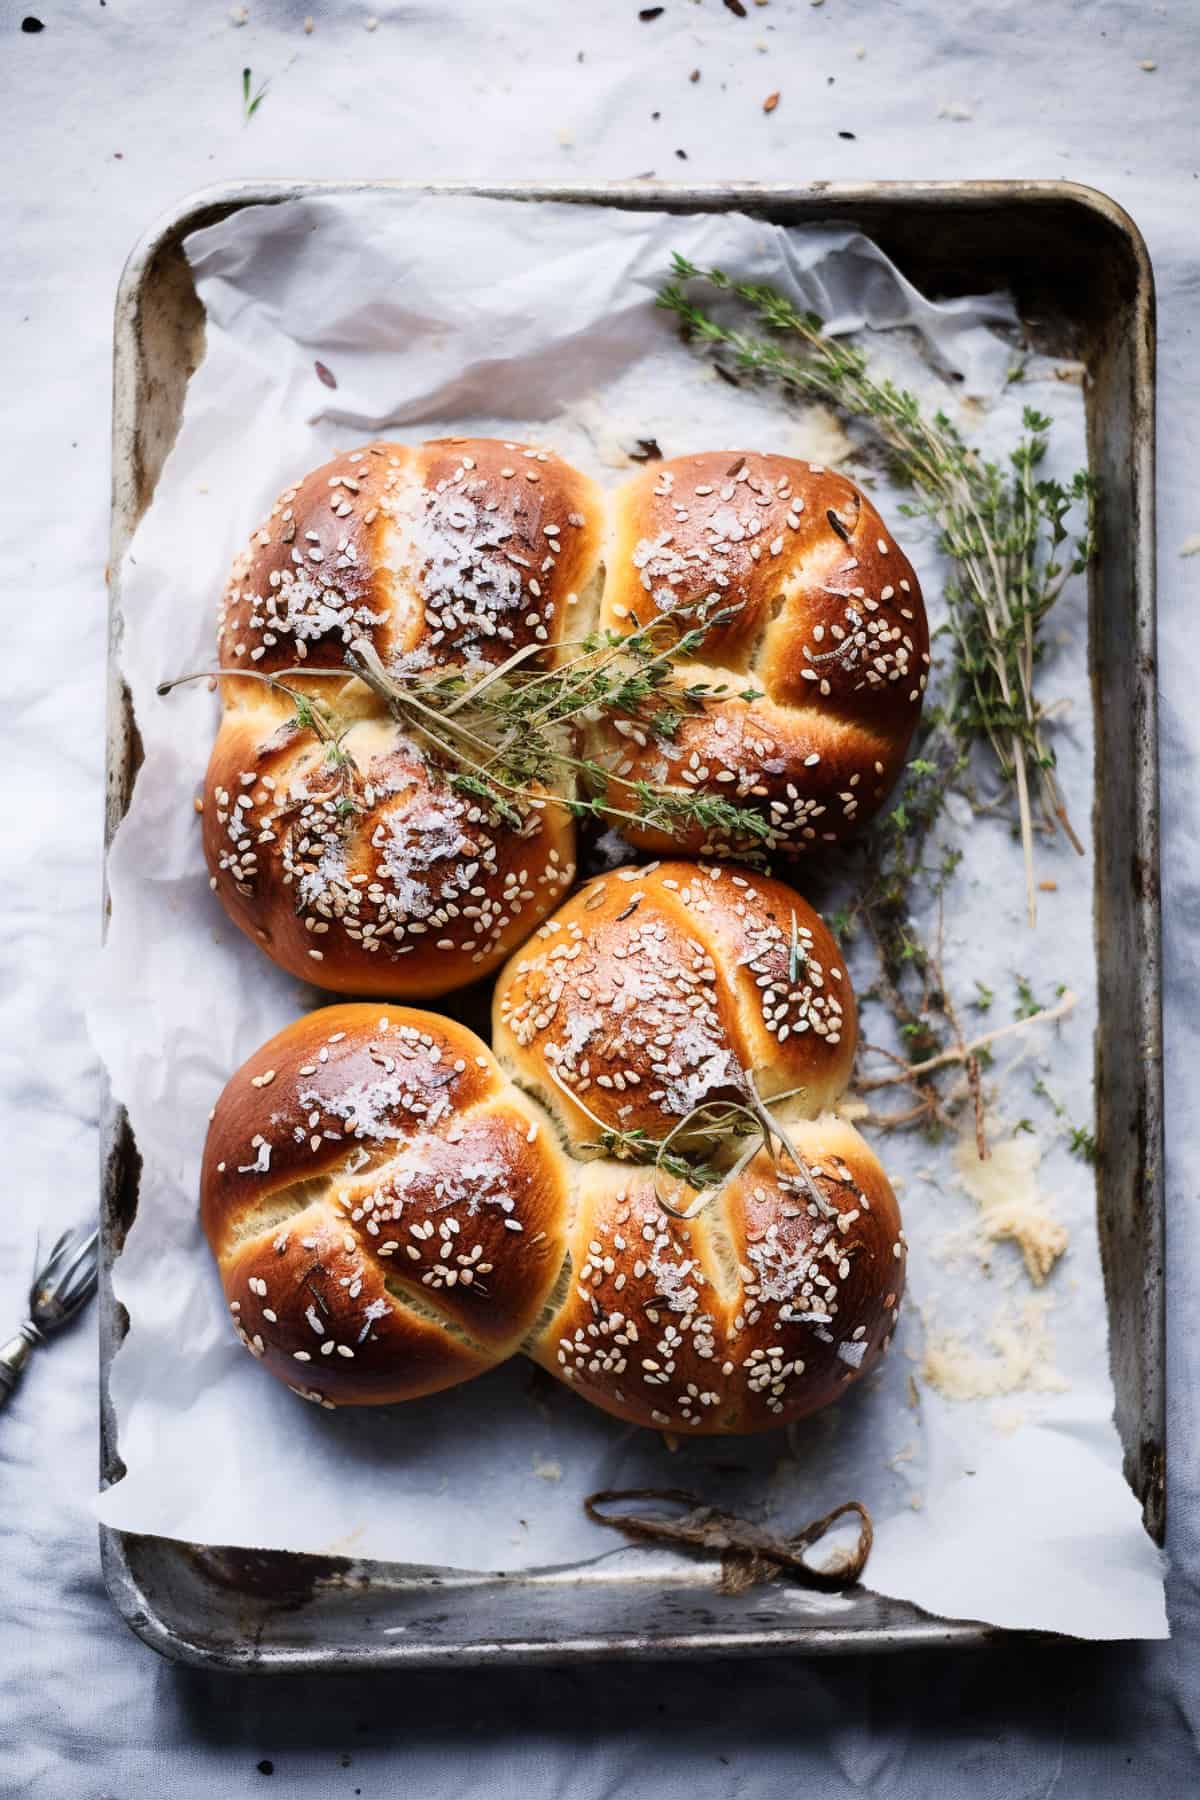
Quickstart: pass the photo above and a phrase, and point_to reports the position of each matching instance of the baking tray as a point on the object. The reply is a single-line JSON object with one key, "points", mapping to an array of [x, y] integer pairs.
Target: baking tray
{"points": [[1083, 284]]}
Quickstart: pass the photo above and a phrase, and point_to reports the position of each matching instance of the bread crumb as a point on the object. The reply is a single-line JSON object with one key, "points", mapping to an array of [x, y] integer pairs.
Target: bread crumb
{"points": [[1022, 1358], [818, 436], [548, 1469], [1011, 1208], [1190, 545], [954, 109]]}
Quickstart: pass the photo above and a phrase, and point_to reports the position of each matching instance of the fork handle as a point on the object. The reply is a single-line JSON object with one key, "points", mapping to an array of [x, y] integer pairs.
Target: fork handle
{"points": [[14, 1356]]}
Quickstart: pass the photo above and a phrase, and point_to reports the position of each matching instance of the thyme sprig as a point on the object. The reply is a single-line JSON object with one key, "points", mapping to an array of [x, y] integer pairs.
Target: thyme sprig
{"points": [[706, 1149], [252, 102], [1002, 525], [508, 736]]}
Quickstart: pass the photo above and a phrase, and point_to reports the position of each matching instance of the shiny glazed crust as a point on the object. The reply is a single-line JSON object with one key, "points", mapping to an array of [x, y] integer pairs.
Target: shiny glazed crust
{"points": [[392, 1212], [652, 989], [763, 1308], [820, 617], [364, 870], [650, 992], [388, 1213]]}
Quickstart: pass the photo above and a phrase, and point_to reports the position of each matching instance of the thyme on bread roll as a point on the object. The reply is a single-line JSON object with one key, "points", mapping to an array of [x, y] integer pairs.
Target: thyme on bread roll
{"points": [[812, 677], [354, 852], [410, 728], [653, 996], [655, 989]]}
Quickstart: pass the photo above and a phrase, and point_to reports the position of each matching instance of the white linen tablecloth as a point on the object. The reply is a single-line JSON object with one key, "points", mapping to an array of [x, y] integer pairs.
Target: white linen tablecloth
{"points": [[111, 113]]}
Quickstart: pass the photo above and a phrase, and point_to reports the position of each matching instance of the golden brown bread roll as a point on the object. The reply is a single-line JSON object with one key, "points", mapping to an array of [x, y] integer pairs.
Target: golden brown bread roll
{"points": [[388, 1213], [344, 842], [825, 624], [655, 989], [762, 1308], [356, 863], [651, 992]]}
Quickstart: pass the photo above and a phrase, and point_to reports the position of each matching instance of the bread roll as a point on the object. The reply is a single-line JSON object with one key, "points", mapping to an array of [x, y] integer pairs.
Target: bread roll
{"points": [[826, 626], [343, 843], [655, 989], [358, 865], [763, 1308], [388, 1213], [651, 992]]}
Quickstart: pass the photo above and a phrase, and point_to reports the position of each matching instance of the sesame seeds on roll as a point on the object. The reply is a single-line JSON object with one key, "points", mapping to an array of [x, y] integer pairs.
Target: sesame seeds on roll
{"points": [[360, 864], [654, 990], [388, 1214], [763, 1308], [819, 618], [394, 1208]]}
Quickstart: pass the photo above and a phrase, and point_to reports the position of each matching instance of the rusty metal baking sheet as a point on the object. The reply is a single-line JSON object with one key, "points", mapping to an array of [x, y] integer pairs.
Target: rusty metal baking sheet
{"points": [[1082, 281]]}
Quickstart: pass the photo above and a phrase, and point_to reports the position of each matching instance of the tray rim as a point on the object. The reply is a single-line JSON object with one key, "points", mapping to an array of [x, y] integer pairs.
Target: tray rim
{"points": [[117, 1150]]}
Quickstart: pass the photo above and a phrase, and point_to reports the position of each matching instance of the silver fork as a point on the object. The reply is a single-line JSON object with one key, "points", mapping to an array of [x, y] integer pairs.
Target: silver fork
{"points": [[65, 1282]]}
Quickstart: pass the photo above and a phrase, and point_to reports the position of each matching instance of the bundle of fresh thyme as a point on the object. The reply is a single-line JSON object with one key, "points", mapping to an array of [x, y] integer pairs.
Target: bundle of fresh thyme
{"points": [[1003, 528], [507, 736]]}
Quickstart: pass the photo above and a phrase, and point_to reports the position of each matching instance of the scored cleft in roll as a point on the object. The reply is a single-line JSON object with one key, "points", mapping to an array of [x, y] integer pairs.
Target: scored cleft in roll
{"points": [[338, 838], [809, 685]]}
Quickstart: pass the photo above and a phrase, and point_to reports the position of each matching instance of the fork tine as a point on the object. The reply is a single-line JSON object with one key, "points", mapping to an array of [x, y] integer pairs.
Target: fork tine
{"points": [[66, 1280], [72, 1300], [86, 1249], [42, 1271]]}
